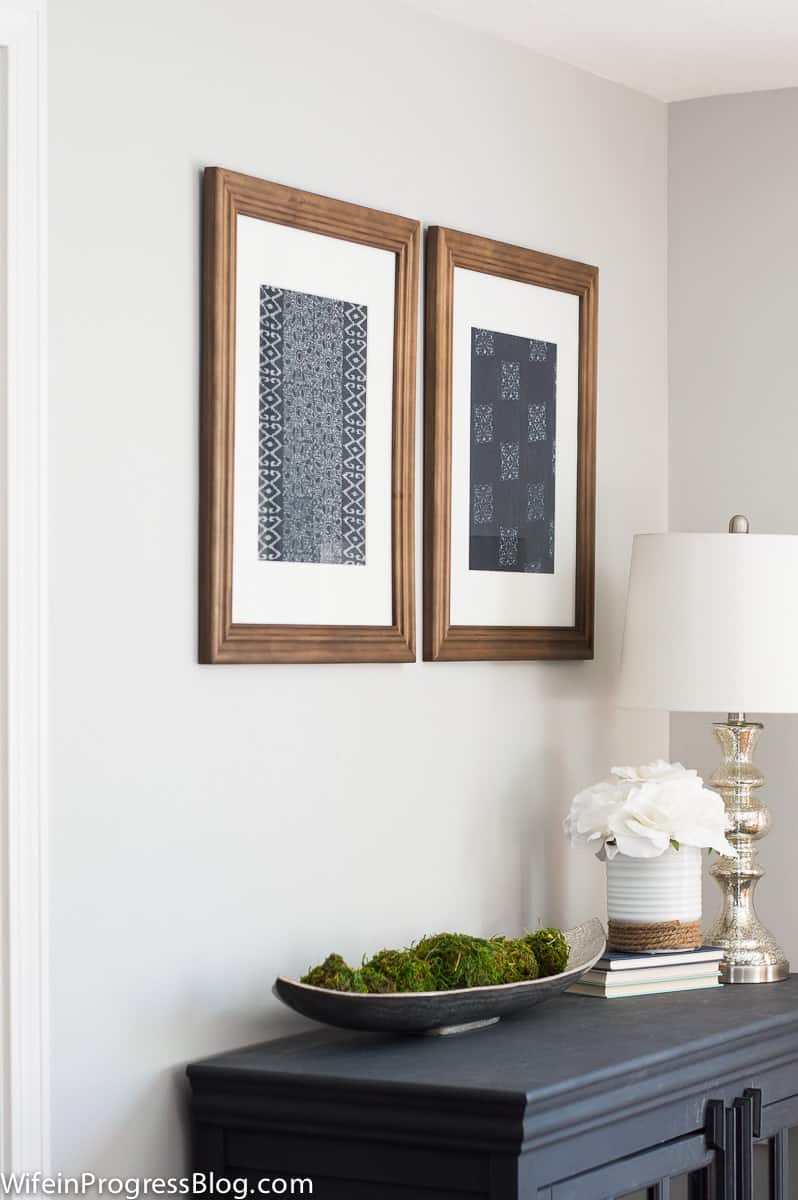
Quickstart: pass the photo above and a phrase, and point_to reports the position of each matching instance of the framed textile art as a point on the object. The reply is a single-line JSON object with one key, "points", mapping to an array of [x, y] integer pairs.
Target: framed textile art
{"points": [[509, 443], [307, 440]]}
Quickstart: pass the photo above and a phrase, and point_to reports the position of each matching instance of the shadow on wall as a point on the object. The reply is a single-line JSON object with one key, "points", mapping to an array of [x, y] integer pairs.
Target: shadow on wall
{"points": [[158, 1121], [570, 887]]}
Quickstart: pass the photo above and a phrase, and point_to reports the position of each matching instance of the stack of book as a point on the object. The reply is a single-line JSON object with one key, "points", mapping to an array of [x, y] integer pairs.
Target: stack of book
{"points": [[617, 974]]}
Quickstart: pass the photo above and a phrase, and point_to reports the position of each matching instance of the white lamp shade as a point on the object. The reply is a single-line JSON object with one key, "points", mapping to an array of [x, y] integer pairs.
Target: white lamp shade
{"points": [[712, 623]]}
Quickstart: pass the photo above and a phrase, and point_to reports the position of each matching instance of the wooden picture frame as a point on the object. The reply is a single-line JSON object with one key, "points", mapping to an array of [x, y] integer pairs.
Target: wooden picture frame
{"points": [[448, 250], [229, 196]]}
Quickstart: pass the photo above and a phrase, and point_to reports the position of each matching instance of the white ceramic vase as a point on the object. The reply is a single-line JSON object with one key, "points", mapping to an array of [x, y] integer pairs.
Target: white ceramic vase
{"points": [[655, 900]]}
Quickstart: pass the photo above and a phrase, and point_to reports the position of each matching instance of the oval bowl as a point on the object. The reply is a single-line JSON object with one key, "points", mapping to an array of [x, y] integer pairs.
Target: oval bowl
{"points": [[442, 1012]]}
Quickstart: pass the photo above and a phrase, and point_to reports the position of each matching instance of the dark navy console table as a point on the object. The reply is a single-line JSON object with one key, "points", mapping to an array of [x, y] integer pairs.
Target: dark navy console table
{"points": [[675, 1097]]}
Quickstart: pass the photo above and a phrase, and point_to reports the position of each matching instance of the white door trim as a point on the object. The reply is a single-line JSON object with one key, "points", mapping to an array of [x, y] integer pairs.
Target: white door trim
{"points": [[24, 1094]]}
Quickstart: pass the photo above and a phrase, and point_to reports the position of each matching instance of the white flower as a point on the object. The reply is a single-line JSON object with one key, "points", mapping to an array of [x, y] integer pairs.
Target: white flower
{"points": [[640, 811], [589, 816]]}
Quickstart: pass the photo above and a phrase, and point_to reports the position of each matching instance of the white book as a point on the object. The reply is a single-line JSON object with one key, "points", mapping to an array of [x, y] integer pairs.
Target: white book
{"points": [[701, 970], [643, 989], [616, 960]]}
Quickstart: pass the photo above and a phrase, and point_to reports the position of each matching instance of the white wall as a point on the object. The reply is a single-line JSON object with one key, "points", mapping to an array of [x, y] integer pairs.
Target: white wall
{"points": [[734, 388], [214, 825]]}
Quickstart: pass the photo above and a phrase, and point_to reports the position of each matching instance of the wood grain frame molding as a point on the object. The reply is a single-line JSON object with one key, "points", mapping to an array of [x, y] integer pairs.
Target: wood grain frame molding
{"points": [[226, 196], [447, 249]]}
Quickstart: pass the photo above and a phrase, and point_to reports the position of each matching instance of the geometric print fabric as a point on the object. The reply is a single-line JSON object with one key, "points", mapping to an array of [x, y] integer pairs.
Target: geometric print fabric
{"points": [[512, 453], [312, 429]]}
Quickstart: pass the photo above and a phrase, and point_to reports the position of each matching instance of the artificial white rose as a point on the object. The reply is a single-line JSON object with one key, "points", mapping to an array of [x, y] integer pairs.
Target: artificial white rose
{"points": [[639, 825], [640, 811], [590, 813]]}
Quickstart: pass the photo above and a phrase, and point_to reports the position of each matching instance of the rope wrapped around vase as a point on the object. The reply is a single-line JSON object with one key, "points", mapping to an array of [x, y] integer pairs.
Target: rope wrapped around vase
{"points": [[631, 936]]}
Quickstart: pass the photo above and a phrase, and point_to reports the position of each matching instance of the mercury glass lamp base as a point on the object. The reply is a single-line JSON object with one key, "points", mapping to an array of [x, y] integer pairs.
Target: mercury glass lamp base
{"points": [[752, 953]]}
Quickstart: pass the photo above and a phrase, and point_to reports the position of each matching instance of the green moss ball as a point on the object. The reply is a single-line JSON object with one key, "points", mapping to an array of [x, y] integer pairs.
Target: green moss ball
{"points": [[458, 961], [551, 950], [515, 960], [336, 975], [445, 961], [397, 971]]}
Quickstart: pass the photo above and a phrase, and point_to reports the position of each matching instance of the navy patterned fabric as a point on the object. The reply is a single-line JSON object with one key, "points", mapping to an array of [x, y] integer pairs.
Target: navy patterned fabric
{"points": [[513, 453], [312, 435]]}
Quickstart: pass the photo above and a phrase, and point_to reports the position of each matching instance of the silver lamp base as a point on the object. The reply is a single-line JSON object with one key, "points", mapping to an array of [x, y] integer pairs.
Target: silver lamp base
{"points": [[752, 953]]}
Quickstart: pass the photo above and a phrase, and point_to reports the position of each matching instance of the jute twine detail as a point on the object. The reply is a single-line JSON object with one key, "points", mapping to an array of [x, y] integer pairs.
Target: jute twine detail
{"points": [[659, 935]]}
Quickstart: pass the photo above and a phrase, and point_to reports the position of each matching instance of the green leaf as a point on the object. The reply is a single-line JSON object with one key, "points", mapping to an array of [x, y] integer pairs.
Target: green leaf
{"points": [[674, 843]]}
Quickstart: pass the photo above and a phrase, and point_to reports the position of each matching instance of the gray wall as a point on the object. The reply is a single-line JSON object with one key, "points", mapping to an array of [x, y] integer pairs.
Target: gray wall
{"points": [[213, 826], [733, 305]]}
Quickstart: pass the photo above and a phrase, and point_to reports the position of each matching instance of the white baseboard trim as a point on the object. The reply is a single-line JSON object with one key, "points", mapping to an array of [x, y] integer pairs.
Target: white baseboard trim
{"points": [[24, 1093]]}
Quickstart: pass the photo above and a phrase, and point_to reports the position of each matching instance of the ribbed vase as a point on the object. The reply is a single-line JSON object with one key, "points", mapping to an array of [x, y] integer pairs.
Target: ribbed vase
{"points": [[655, 903]]}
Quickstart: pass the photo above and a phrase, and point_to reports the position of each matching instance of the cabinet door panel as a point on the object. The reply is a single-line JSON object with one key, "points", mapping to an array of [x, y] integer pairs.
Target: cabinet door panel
{"points": [[776, 1153], [680, 1187], [781, 1115], [655, 1173], [773, 1179]]}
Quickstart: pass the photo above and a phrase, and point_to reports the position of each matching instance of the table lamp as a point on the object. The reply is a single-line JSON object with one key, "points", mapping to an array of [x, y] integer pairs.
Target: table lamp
{"points": [[711, 625]]}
